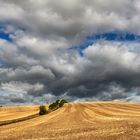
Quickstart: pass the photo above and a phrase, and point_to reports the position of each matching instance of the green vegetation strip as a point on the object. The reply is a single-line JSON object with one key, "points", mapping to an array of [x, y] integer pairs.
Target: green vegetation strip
{"points": [[18, 119], [52, 107]]}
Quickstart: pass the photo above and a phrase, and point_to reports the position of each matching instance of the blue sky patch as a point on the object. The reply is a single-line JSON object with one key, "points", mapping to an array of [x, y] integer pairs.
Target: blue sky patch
{"points": [[5, 36], [108, 36]]}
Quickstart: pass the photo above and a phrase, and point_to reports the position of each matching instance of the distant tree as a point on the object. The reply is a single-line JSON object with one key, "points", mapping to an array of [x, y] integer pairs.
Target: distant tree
{"points": [[54, 105], [57, 104], [62, 102], [42, 110]]}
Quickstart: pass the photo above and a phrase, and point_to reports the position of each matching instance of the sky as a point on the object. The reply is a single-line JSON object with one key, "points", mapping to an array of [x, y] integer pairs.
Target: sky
{"points": [[73, 49]]}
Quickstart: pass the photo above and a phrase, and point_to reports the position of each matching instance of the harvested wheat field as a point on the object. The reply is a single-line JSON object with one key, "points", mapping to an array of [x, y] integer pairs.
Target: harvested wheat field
{"points": [[80, 121], [10, 114]]}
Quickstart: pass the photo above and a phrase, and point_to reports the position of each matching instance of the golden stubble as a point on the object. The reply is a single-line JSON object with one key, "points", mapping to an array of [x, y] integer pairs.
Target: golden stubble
{"points": [[79, 121]]}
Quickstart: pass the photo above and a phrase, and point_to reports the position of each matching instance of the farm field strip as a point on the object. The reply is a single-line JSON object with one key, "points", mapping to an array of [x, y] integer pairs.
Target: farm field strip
{"points": [[80, 121]]}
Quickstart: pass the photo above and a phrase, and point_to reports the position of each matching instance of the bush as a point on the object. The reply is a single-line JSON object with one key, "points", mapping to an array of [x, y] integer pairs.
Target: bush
{"points": [[62, 102], [57, 102], [42, 110], [54, 105]]}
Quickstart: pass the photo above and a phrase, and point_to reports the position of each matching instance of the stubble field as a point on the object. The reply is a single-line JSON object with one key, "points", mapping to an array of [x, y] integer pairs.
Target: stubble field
{"points": [[75, 121]]}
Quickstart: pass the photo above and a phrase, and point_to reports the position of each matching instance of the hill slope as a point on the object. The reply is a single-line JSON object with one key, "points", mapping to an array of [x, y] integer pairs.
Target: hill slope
{"points": [[80, 121], [17, 112]]}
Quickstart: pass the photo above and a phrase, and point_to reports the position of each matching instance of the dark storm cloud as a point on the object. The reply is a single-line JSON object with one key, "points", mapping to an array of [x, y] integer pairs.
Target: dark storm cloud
{"points": [[18, 100], [104, 67], [37, 66]]}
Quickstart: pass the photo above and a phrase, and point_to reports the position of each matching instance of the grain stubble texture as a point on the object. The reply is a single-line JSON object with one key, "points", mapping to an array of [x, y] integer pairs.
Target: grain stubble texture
{"points": [[80, 121]]}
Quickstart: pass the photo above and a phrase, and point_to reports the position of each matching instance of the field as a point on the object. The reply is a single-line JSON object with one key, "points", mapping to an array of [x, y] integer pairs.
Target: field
{"points": [[18, 113], [74, 121]]}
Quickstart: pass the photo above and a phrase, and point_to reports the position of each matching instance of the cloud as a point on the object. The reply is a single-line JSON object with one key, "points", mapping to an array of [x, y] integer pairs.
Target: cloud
{"points": [[37, 64], [71, 19], [20, 87], [12, 55], [103, 65]]}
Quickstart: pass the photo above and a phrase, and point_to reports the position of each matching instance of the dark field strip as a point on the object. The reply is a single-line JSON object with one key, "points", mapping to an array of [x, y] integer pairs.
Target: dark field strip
{"points": [[18, 119]]}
